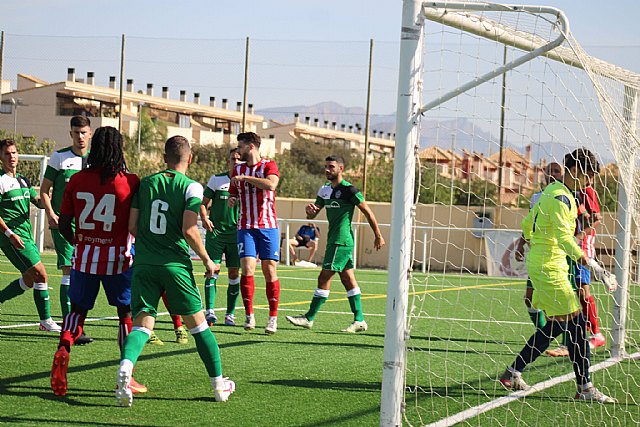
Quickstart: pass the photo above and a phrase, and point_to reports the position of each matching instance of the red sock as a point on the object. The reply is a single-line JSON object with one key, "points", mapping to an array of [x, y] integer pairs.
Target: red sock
{"points": [[124, 329], [273, 296], [175, 318], [71, 329], [592, 315], [247, 288]]}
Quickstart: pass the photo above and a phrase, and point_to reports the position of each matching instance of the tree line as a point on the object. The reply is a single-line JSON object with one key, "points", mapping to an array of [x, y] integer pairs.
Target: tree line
{"points": [[302, 170]]}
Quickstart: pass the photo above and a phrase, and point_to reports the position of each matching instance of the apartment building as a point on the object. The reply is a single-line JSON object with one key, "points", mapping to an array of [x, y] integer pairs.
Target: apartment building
{"points": [[41, 109]]}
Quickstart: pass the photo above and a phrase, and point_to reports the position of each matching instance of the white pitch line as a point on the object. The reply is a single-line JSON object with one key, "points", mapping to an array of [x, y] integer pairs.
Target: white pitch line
{"points": [[486, 407]]}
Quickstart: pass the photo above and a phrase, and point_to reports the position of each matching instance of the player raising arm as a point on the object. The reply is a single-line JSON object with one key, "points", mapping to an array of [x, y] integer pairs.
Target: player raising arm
{"points": [[340, 198]]}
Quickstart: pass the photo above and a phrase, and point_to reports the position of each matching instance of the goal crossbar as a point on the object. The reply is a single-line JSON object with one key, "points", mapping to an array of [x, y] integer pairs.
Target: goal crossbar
{"points": [[459, 15]]}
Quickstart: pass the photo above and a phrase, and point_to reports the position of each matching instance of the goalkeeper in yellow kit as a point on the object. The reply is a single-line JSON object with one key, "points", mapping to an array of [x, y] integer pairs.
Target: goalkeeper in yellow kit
{"points": [[549, 227]]}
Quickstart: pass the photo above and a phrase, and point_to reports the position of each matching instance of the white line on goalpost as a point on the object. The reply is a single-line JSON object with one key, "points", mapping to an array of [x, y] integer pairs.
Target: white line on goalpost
{"points": [[485, 407]]}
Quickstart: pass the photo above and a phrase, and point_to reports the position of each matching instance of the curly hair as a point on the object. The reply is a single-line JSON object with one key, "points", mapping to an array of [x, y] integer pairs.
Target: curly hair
{"points": [[106, 152]]}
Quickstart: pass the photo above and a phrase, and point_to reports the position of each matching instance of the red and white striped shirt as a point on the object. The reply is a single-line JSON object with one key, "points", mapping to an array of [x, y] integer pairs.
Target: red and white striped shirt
{"points": [[257, 206], [101, 212], [589, 199]]}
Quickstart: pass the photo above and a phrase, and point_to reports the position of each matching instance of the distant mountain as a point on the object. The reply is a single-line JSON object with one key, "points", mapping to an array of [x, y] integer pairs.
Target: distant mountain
{"points": [[462, 133]]}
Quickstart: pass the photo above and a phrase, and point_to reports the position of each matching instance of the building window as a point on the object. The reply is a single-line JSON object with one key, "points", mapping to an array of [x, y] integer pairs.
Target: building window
{"points": [[67, 105]]}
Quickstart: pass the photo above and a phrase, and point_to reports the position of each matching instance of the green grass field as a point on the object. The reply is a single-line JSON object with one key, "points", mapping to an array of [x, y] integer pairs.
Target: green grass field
{"points": [[468, 330]]}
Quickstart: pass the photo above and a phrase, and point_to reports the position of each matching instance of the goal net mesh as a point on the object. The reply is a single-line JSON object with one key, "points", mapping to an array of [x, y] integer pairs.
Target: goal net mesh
{"points": [[482, 156]]}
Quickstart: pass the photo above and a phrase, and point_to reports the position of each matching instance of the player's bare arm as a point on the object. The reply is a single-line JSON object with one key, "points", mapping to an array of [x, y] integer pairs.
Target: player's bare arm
{"points": [[65, 227], [45, 197], [204, 214], [312, 210], [378, 241], [134, 214], [269, 183], [193, 238], [37, 202], [15, 240]]}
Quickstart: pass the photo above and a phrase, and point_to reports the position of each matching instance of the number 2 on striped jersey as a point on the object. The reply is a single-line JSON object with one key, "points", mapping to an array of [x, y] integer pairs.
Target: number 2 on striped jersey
{"points": [[102, 212]]}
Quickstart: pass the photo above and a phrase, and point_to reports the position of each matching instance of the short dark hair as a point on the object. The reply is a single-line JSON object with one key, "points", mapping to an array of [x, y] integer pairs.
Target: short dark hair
{"points": [[107, 152], [335, 158], [233, 150], [177, 148], [80, 121], [7, 143], [249, 138], [584, 160]]}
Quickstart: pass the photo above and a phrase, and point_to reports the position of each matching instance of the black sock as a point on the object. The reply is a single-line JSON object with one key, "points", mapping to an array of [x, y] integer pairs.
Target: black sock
{"points": [[538, 343], [579, 351]]}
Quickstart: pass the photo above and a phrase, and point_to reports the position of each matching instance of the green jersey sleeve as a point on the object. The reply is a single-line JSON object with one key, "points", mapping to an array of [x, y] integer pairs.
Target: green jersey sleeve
{"points": [[193, 197]]}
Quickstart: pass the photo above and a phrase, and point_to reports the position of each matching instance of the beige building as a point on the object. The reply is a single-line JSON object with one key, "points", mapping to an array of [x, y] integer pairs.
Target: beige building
{"points": [[351, 138], [519, 174], [41, 109]]}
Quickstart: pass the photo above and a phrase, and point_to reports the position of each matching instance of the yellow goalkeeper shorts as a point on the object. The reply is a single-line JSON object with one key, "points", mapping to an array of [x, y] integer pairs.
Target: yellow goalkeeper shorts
{"points": [[552, 291]]}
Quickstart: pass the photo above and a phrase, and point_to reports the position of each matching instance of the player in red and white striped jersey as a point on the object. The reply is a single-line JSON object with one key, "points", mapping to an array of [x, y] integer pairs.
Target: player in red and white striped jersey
{"points": [[98, 199], [253, 185], [589, 220]]}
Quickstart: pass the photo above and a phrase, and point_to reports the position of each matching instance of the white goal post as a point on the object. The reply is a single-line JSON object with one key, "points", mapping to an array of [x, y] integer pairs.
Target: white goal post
{"points": [[616, 95]]}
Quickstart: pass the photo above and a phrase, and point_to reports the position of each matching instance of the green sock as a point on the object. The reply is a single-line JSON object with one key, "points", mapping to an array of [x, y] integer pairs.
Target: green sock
{"points": [[314, 307], [537, 318], [65, 303], [209, 352], [41, 298], [133, 345], [210, 292], [232, 296], [356, 306], [12, 290]]}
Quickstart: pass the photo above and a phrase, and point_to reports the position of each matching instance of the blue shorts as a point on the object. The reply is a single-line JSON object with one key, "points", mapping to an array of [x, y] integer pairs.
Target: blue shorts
{"points": [[582, 274], [84, 288], [264, 242]]}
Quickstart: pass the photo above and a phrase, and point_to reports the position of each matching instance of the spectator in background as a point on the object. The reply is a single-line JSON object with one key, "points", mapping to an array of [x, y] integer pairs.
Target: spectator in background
{"points": [[305, 238]]}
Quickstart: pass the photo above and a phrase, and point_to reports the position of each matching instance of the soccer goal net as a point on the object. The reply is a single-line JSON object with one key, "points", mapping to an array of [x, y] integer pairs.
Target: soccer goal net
{"points": [[489, 97]]}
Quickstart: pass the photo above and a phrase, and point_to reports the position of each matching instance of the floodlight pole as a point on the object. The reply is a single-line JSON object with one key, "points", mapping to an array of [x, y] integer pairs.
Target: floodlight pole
{"points": [[246, 86], [407, 140], [1, 59], [367, 123], [121, 100]]}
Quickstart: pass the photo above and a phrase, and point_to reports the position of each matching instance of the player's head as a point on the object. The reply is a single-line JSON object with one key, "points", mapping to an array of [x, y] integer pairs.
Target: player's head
{"points": [[578, 166], [106, 152], [80, 132], [248, 142], [553, 172], [177, 150], [234, 158], [333, 168], [8, 154]]}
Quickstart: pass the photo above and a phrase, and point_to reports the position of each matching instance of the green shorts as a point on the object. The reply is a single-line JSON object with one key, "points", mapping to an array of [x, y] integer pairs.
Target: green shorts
{"points": [[338, 258], [22, 259], [223, 244], [150, 281], [64, 249]]}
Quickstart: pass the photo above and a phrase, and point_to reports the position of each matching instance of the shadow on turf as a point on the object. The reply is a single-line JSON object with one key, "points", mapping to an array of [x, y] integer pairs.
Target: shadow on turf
{"points": [[15, 382], [48, 421], [325, 385]]}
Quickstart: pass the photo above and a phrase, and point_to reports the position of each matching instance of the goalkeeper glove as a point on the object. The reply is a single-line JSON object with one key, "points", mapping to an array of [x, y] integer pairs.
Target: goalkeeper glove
{"points": [[603, 275]]}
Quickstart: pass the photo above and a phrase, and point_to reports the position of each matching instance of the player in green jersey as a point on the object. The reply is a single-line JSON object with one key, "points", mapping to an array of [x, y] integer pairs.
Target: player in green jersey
{"points": [[222, 238], [339, 198], [62, 165], [164, 219], [549, 227], [16, 240]]}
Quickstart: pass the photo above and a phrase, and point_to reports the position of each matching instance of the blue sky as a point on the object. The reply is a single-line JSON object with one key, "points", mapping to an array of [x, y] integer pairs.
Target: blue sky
{"points": [[338, 32]]}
